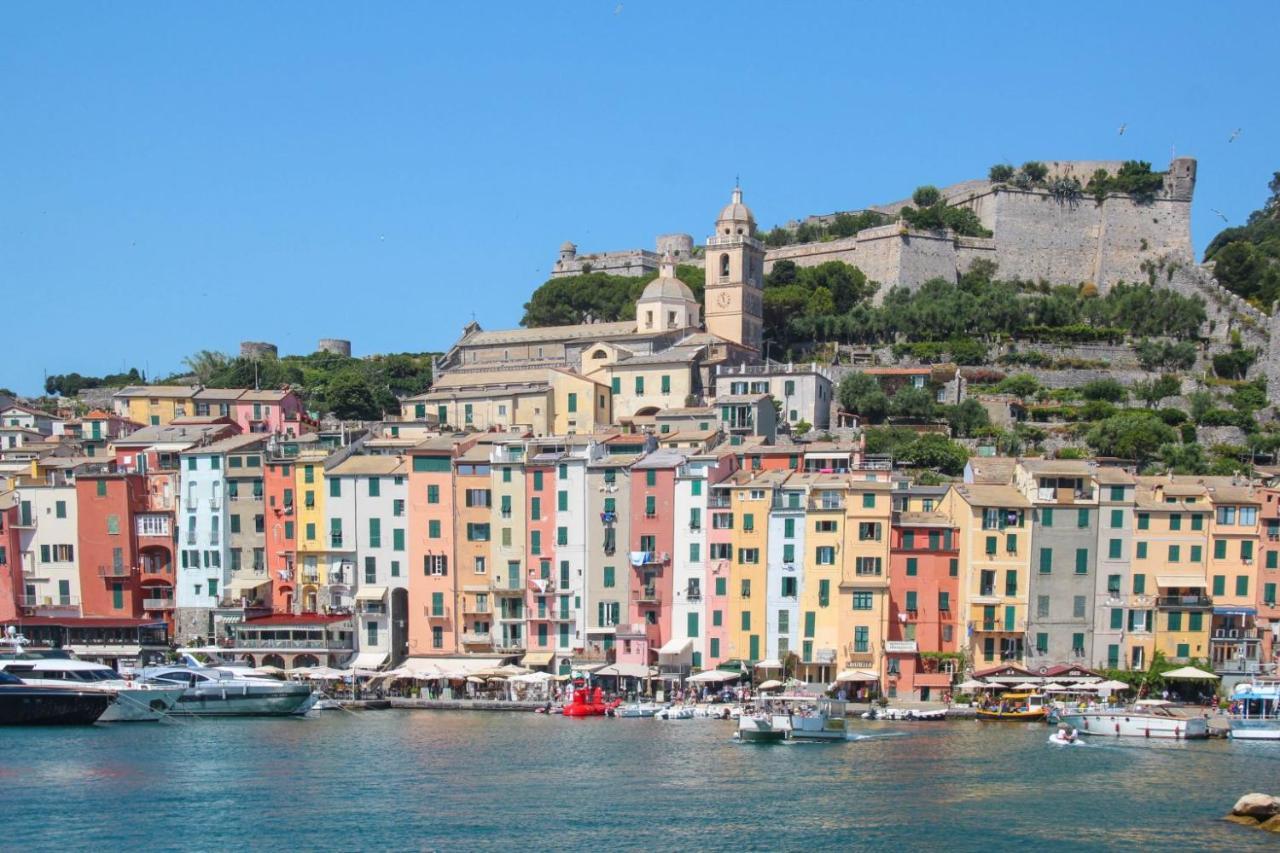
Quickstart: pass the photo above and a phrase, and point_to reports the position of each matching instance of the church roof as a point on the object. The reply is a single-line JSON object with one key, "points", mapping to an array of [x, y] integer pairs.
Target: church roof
{"points": [[667, 288], [551, 333], [735, 210]]}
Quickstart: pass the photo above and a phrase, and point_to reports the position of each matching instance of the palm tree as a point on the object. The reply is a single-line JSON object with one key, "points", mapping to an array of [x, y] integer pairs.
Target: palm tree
{"points": [[205, 364]]}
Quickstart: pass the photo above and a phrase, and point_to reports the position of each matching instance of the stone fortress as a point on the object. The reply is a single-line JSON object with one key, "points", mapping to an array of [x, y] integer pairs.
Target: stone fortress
{"points": [[1035, 236]]}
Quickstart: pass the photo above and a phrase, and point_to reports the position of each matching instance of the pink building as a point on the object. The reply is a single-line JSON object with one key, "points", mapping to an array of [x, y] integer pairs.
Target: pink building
{"points": [[719, 567], [653, 500], [540, 597], [271, 412]]}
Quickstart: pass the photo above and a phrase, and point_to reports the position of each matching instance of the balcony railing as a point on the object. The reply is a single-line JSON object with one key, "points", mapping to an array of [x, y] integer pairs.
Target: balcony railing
{"points": [[157, 604], [114, 571], [335, 540], [1184, 601], [648, 595], [48, 601], [477, 638]]}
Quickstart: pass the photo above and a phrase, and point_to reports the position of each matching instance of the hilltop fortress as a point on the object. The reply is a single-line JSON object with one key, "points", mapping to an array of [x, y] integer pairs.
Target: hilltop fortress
{"points": [[1036, 235]]}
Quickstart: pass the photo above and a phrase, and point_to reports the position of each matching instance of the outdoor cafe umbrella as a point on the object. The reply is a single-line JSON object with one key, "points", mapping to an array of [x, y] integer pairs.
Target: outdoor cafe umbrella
{"points": [[1111, 686], [973, 684], [771, 684], [1055, 687], [1026, 685], [1189, 673]]}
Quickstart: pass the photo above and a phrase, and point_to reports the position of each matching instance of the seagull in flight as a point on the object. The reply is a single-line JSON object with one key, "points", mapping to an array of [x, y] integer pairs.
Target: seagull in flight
{"points": [[1235, 134], [1122, 127], [1220, 213]]}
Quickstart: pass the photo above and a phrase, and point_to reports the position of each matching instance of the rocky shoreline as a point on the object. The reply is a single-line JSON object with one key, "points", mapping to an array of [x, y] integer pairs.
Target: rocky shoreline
{"points": [[1257, 810]]}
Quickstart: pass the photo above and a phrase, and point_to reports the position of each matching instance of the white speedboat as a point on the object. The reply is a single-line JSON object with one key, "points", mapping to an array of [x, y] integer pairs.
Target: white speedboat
{"points": [[908, 714], [674, 713], [1148, 718], [763, 728], [1258, 714], [637, 709], [135, 701], [214, 691]]}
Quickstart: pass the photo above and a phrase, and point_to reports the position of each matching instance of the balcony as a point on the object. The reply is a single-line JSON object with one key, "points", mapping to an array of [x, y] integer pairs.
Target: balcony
{"points": [[311, 577], [509, 646], [476, 608], [719, 502], [335, 540], [440, 615], [49, 602], [1184, 602], [648, 595], [114, 571], [477, 638], [157, 604]]}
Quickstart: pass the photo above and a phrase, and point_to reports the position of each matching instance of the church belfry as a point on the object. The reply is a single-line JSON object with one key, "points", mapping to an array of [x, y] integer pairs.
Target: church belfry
{"points": [[735, 277]]}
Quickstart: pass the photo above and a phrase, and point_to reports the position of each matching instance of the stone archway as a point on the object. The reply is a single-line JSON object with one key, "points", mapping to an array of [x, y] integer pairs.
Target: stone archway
{"points": [[273, 660], [305, 660]]}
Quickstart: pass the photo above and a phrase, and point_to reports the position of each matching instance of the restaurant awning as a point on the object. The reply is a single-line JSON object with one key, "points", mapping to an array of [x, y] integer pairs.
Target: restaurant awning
{"points": [[537, 659], [367, 660], [676, 647], [1235, 611], [857, 675], [626, 670], [1180, 581], [240, 586], [713, 676], [450, 667], [106, 651], [371, 593], [769, 664]]}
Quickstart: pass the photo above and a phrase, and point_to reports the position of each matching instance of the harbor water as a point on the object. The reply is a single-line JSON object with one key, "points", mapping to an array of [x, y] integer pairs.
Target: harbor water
{"points": [[466, 781]]}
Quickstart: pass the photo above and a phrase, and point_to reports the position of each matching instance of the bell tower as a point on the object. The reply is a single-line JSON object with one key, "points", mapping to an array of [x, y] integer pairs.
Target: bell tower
{"points": [[735, 277]]}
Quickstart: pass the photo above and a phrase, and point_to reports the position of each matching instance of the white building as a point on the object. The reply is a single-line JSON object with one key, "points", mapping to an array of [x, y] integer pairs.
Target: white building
{"points": [[804, 391], [47, 538], [784, 573], [571, 552], [689, 559], [203, 566], [366, 514], [25, 417]]}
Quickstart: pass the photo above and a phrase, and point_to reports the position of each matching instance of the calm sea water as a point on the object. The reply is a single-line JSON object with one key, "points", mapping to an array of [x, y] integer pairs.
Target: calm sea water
{"points": [[457, 781]]}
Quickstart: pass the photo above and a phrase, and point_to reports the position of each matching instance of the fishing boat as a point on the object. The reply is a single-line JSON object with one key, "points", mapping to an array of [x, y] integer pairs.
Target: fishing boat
{"points": [[1015, 708], [23, 704], [1257, 715], [1148, 718], [135, 701]]}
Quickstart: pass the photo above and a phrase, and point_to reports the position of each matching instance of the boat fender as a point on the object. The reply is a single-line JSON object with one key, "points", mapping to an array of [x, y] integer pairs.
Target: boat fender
{"points": [[1148, 731], [1117, 728]]}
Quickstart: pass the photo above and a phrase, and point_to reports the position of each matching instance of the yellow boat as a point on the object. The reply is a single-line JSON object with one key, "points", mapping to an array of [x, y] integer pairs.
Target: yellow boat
{"points": [[1016, 708]]}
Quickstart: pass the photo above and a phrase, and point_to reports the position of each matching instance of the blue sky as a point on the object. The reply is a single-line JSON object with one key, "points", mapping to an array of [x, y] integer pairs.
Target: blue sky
{"points": [[184, 176]]}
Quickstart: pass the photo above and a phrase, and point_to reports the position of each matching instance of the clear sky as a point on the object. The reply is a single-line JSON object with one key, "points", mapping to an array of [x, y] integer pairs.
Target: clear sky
{"points": [[179, 176]]}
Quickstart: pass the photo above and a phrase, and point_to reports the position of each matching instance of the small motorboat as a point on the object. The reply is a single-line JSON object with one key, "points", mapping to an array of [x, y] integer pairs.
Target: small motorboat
{"points": [[636, 710], [673, 713], [1065, 737], [763, 728], [1148, 718], [907, 714], [825, 721], [23, 704]]}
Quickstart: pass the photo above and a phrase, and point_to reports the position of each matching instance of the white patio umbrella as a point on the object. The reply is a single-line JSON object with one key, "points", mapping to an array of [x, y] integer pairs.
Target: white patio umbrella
{"points": [[1026, 685], [1055, 687], [771, 684], [974, 684], [1189, 673]]}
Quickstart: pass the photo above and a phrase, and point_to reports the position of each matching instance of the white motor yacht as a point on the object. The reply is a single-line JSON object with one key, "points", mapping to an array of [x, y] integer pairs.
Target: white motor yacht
{"points": [[763, 727], [219, 691], [135, 702], [1148, 718], [1258, 704]]}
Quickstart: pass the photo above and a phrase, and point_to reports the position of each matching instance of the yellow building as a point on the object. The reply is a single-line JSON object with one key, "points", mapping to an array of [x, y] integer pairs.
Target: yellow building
{"points": [[154, 405], [645, 384], [312, 542], [543, 401], [863, 559], [994, 551], [1235, 533], [1170, 541], [822, 607], [752, 499]]}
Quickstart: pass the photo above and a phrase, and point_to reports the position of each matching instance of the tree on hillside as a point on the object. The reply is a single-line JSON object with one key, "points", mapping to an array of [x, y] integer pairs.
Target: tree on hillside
{"points": [[861, 394], [1136, 435], [597, 297], [935, 451], [1153, 391], [205, 364], [967, 418], [913, 403], [349, 397], [1247, 258]]}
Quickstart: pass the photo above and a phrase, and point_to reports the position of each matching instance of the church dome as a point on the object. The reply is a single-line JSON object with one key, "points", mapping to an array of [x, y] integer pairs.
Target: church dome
{"points": [[736, 211], [667, 287]]}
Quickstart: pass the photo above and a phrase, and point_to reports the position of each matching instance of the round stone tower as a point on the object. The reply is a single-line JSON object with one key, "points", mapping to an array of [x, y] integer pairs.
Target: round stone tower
{"points": [[258, 350], [337, 346], [679, 246]]}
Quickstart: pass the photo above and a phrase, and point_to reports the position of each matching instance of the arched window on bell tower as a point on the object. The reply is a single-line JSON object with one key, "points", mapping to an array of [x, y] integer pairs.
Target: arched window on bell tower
{"points": [[724, 265]]}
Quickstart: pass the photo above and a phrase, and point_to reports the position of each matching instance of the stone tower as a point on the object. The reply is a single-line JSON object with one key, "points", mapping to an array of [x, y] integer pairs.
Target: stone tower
{"points": [[735, 277]]}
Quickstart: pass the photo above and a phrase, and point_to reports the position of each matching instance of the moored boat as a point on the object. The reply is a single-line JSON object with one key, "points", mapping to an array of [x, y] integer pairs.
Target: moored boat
{"points": [[23, 704], [210, 691], [1015, 708], [1148, 718], [825, 721], [135, 701], [1256, 710], [637, 709]]}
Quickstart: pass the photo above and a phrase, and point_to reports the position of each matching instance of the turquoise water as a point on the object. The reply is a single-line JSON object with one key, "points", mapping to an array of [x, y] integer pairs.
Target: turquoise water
{"points": [[465, 781]]}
